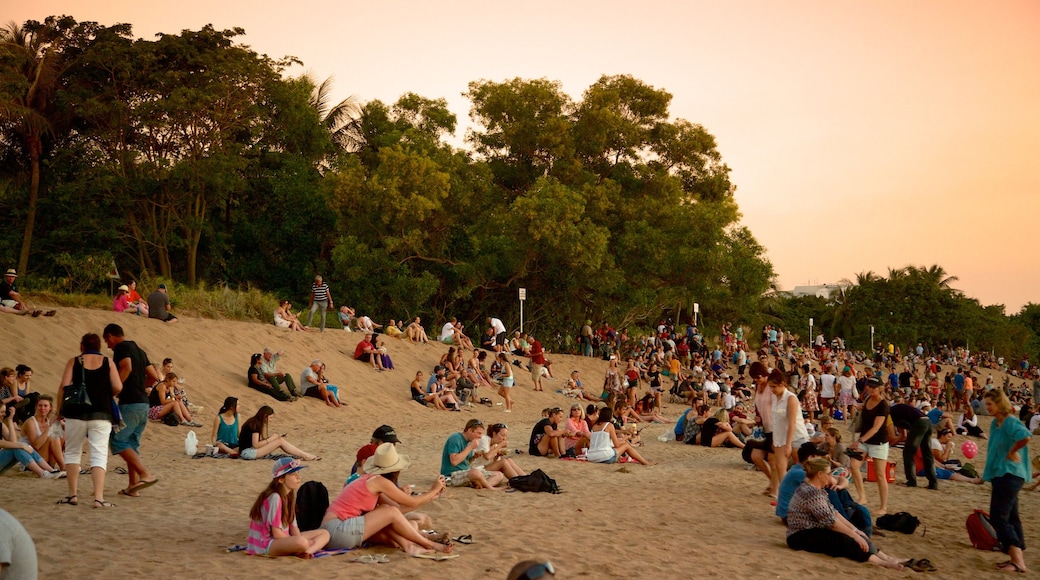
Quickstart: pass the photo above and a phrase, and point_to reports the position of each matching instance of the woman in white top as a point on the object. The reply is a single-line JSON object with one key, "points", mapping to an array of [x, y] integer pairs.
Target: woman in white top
{"points": [[604, 446], [494, 449], [846, 392], [788, 427], [968, 424], [45, 433]]}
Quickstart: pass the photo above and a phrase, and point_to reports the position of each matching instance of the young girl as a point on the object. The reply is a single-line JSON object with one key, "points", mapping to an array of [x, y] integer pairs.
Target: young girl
{"points": [[40, 432], [162, 402], [225, 427], [506, 381], [254, 442], [272, 527]]}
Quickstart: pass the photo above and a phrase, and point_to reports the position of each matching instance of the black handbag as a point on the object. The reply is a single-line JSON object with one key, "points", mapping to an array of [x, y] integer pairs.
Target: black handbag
{"points": [[75, 401]]}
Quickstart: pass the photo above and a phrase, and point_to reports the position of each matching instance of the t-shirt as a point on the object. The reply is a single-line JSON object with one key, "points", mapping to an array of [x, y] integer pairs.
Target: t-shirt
{"points": [[308, 373], [6, 289], [1001, 438], [456, 442], [869, 417], [1034, 423], [935, 415], [958, 382], [321, 292], [245, 438], [539, 429], [827, 386], [133, 387], [680, 424], [361, 347], [498, 326], [904, 416], [788, 485], [17, 551], [537, 354], [447, 331], [260, 536], [157, 303]]}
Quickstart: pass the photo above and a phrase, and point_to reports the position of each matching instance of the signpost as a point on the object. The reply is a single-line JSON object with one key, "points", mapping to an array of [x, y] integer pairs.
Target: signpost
{"points": [[810, 329], [523, 296], [696, 310]]}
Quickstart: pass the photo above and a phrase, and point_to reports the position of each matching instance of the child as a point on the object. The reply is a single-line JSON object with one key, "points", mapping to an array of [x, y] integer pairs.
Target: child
{"points": [[272, 529]]}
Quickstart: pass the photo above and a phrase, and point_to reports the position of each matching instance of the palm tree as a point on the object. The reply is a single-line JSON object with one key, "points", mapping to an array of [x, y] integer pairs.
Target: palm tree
{"points": [[32, 60], [339, 119]]}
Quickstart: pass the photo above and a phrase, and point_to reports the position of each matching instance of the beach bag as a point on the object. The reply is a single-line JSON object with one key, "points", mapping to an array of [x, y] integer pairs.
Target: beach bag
{"points": [[170, 419], [968, 470], [535, 481], [899, 522], [75, 401], [312, 501], [981, 532]]}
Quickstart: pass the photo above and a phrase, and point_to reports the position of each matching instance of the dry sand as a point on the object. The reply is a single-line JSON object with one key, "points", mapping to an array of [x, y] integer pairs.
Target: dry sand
{"points": [[697, 513]]}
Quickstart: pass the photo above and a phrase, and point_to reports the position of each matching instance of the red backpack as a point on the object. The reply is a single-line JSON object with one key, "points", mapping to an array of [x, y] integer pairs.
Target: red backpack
{"points": [[981, 532]]}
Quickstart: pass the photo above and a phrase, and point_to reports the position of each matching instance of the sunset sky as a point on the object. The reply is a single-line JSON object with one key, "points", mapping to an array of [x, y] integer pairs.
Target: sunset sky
{"points": [[861, 135]]}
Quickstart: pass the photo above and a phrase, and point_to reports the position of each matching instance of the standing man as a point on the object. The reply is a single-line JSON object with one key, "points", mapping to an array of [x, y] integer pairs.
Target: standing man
{"points": [[915, 429], [500, 333], [268, 366], [586, 339], [136, 372], [321, 297], [159, 305]]}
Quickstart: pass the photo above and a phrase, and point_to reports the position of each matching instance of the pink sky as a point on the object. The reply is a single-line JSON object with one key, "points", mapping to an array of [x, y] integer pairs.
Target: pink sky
{"points": [[861, 135]]}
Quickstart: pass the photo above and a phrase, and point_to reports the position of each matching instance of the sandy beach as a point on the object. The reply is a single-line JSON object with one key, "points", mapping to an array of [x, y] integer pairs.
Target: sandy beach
{"points": [[697, 513]]}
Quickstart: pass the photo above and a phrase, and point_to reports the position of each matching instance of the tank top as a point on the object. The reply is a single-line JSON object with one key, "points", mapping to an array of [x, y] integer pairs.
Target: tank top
{"points": [[600, 446], [228, 434], [355, 499], [780, 418]]}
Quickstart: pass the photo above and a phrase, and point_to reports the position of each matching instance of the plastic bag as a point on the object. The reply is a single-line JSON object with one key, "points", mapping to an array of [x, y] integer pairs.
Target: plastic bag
{"points": [[191, 444]]}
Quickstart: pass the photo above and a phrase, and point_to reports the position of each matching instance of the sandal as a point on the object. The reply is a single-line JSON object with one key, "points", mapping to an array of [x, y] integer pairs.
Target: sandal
{"points": [[99, 503], [922, 565], [128, 494], [68, 500], [120, 470], [464, 539], [1010, 566]]}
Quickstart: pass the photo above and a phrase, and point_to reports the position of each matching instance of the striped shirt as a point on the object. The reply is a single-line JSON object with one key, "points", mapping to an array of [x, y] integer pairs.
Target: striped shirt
{"points": [[260, 537], [321, 293]]}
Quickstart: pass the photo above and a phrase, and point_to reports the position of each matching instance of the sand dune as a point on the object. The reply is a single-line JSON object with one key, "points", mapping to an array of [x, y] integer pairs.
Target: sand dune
{"points": [[697, 513]]}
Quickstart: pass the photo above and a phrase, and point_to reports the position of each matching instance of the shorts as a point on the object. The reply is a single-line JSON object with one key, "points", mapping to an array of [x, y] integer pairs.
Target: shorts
{"points": [[507, 382], [500, 339], [345, 534], [448, 340], [825, 402], [135, 416], [461, 478], [153, 413], [876, 451], [282, 323], [365, 357], [611, 459], [96, 433], [534, 444], [536, 372], [248, 453]]}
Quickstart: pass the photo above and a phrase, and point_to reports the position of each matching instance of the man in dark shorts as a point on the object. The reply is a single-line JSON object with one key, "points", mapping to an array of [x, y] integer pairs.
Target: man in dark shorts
{"points": [[135, 371], [159, 305]]}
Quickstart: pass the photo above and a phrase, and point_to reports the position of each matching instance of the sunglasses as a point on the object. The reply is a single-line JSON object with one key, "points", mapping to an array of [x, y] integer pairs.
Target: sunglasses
{"points": [[537, 571], [499, 426]]}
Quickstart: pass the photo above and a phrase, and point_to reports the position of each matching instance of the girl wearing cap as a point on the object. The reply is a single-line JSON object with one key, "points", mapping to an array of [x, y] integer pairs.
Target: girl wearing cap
{"points": [[357, 516], [122, 303], [272, 526], [225, 427]]}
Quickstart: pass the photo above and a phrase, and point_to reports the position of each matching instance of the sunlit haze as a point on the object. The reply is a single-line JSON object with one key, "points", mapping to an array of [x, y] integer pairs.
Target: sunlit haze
{"points": [[861, 135]]}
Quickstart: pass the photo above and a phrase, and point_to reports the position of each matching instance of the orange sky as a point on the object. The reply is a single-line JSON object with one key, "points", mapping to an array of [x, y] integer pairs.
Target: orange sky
{"points": [[861, 135]]}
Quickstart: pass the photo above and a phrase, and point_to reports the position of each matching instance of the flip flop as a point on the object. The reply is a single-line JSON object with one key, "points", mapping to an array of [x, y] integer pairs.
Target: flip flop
{"points": [[1004, 567], [435, 556], [50, 313], [120, 470], [68, 500], [36, 313], [372, 559], [922, 565], [141, 485], [103, 504], [463, 539], [128, 494]]}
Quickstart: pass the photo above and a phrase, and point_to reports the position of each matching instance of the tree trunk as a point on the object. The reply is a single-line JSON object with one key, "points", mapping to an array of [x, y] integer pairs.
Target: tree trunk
{"points": [[30, 216]]}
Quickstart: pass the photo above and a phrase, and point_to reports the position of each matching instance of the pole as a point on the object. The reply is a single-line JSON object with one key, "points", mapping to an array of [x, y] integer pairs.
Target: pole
{"points": [[522, 295], [811, 341]]}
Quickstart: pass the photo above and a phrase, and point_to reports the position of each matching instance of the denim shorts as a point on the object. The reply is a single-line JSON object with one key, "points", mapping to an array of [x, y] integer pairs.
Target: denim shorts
{"points": [[135, 416], [349, 533], [248, 453]]}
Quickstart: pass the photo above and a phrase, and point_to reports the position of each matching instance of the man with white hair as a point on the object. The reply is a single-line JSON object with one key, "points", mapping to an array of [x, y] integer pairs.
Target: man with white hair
{"points": [[268, 366]]}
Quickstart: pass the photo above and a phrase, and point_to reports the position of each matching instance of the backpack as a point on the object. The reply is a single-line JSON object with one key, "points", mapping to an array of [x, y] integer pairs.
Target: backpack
{"points": [[171, 420], [534, 481], [968, 470], [311, 503], [899, 522], [981, 532]]}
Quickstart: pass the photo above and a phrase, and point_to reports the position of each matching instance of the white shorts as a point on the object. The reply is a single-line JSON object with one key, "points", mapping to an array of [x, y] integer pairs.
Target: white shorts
{"points": [[96, 434], [876, 451]]}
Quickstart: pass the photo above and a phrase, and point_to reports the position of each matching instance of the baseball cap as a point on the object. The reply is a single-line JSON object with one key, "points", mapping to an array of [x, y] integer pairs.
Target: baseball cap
{"points": [[386, 434], [162, 286]]}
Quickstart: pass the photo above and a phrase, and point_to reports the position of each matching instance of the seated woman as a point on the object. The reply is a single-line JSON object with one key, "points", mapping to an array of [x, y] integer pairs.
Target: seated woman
{"points": [[122, 302], [420, 396], [415, 331], [44, 433], [576, 425], [284, 317], [604, 446], [546, 437], [968, 424], [225, 428], [813, 525], [255, 380], [135, 298], [12, 450], [360, 513], [834, 449], [384, 356], [272, 520], [707, 431], [942, 448], [253, 440], [493, 448], [162, 402], [518, 346], [645, 409], [443, 394]]}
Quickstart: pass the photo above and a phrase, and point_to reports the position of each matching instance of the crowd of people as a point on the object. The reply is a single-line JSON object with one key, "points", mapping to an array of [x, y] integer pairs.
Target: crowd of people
{"points": [[809, 417]]}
